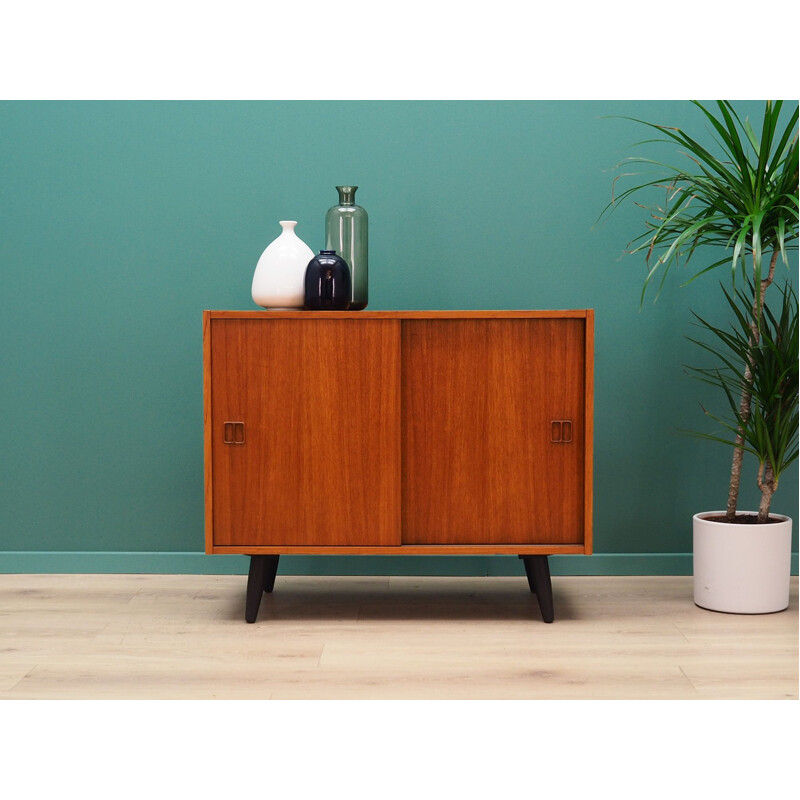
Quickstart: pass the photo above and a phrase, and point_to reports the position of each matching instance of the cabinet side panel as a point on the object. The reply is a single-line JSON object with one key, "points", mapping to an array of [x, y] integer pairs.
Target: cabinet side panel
{"points": [[315, 403], [479, 401], [588, 522], [207, 471]]}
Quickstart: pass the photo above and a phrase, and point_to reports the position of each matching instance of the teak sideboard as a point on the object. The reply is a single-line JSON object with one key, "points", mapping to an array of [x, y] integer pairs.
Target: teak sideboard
{"points": [[398, 432]]}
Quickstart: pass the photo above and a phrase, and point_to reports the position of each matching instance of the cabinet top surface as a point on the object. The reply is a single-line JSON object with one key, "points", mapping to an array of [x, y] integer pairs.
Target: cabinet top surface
{"points": [[431, 314]]}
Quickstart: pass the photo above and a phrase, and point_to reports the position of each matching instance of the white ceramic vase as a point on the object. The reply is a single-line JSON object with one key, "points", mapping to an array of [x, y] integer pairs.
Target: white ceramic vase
{"points": [[741, 569], [279, 279]]}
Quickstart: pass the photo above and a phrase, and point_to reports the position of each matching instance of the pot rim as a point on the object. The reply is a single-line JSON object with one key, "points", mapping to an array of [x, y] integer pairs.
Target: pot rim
{"points": [[702, 516]]}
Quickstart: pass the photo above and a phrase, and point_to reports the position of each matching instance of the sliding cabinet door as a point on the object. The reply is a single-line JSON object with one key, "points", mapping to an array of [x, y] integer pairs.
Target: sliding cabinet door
{"points": [[305, 427], [493, 431]]}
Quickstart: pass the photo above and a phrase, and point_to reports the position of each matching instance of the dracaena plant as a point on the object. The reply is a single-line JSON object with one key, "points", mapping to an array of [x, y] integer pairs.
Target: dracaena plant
{"points": [[769, 431], [741, 199]]}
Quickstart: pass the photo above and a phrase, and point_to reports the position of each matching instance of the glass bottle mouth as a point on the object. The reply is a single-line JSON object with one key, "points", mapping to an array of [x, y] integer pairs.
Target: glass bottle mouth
{"points": [[327, 252], [347, 195]]}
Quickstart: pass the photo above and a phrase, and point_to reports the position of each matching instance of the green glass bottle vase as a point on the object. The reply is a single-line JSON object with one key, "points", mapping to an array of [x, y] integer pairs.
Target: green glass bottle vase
{"points": [[346, 233]]}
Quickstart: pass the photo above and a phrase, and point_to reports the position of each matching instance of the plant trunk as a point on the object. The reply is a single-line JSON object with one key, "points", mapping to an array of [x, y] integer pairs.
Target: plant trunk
{"points": [[768, 485], [744, 404]]}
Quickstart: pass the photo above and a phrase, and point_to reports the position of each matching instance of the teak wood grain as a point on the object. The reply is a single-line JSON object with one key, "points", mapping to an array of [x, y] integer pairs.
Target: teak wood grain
{"points": [[479, 398], [319, 403], [588, 433], [429, 314], [424, 432]]}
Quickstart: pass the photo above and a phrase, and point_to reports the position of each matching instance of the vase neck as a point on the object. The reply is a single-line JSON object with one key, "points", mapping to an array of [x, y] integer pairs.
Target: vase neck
{"points": [[288, 225], [347, 195]]}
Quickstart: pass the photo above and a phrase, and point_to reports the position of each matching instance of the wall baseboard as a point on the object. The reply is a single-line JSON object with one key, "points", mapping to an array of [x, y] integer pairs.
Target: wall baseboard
{"points": [[185, 563]]}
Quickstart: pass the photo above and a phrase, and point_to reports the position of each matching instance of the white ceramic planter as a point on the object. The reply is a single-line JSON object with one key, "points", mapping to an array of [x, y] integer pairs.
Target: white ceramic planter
{"points": [[741, 569], [279, 279]]}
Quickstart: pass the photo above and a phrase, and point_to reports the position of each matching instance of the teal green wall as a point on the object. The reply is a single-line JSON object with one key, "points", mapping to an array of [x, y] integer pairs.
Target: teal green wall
{"points": [[121, 221]]}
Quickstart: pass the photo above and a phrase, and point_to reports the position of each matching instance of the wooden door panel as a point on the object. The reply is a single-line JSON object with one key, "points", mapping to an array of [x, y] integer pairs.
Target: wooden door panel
{"points": [[316, 460], [479, 398]]}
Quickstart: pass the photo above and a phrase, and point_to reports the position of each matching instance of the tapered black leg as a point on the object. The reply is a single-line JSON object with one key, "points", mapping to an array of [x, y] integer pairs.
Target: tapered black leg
{"points": [[529, 574], [270, 571], [255, 586], [539, 569]]}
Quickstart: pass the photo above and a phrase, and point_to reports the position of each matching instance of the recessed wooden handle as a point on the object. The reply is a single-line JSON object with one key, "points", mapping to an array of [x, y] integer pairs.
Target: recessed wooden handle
{"points": [[233, 432], [561, 431]]}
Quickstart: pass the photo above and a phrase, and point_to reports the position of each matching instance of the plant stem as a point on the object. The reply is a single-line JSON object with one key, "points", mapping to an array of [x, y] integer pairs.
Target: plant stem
{"points": [[768, 485], [747, 396]]}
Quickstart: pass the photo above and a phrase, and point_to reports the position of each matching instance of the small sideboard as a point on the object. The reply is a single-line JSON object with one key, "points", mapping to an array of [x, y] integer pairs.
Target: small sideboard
{"points": [[398, 432]]}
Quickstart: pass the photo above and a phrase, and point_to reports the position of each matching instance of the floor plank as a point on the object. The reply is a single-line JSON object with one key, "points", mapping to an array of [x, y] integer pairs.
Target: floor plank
{"points": [[184, 637]]}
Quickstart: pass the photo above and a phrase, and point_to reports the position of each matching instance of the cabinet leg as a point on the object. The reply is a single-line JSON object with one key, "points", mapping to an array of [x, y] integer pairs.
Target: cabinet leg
{"points": [[529, 574], [538, 571], [270, 571], [255, 586], [260, 579]]}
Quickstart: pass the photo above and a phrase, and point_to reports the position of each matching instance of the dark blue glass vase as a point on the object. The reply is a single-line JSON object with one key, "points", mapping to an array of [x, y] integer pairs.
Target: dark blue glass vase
{"points": [[327, 285]]}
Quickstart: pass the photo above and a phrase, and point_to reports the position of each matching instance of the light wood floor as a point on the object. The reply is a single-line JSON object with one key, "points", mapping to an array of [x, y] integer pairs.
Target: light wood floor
{"points": [[184, 636]]}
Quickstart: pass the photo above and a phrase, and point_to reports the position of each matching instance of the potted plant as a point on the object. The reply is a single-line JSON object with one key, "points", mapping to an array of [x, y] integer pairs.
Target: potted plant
{"points": [[744, 566], [745, 201]]}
